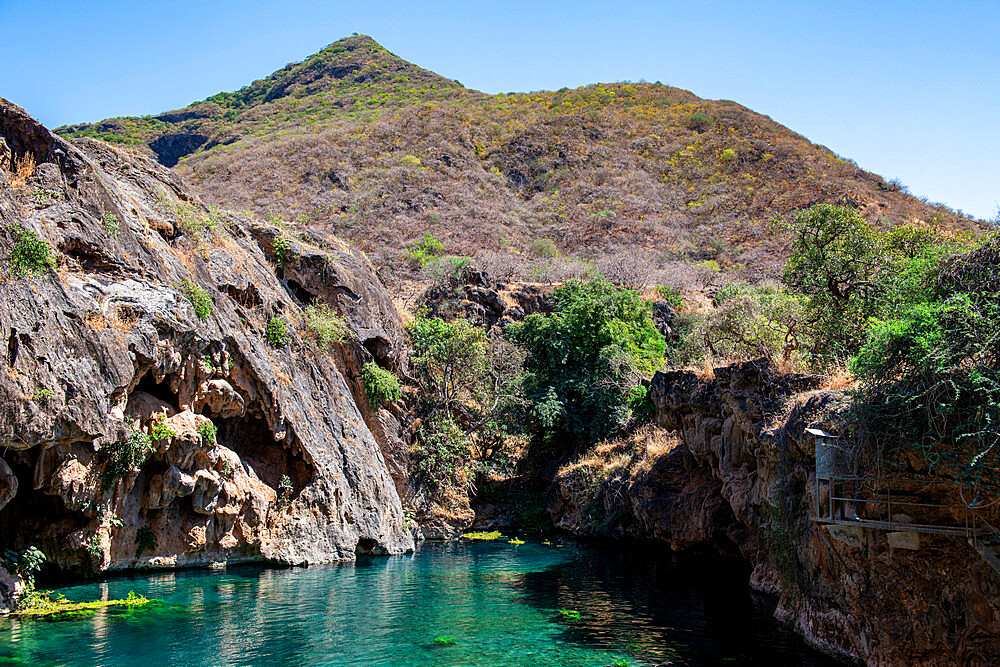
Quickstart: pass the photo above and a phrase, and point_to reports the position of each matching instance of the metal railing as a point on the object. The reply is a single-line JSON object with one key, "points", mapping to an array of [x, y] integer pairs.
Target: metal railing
{"points": [[873, 502]]}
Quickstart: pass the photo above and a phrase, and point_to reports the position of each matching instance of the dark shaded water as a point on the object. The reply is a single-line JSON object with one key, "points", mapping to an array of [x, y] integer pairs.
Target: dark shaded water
{"points": [[492, 603]]}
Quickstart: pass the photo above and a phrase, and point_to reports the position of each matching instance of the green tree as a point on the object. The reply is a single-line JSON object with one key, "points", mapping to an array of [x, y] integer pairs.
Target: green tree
{"points": [[586, 360], [468, 382], [852, 272], [929, 395]]}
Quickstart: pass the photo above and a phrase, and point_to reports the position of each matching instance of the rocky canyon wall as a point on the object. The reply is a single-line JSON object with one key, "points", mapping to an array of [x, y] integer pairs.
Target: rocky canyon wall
{"points": [[259, 444], [856, 592]]}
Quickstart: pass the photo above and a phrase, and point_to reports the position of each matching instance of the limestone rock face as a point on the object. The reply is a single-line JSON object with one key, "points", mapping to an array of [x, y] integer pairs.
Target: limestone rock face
{"points": [[139, 432], [865, 594], [670, 498], [11, 588]]}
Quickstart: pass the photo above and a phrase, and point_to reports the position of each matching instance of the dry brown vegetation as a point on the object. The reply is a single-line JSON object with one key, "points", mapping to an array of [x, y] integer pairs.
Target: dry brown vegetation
{"points": [[380, 152]]}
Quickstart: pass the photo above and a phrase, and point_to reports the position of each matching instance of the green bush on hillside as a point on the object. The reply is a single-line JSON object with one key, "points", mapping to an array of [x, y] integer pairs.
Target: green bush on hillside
{"points": [[30, 254], [381, 386], [586, 360], [700, 122], [544, 248], [422, 251], [449, 270]]}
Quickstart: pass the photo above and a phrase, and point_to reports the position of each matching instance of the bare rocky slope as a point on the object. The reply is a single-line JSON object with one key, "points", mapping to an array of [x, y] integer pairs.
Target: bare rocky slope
{"points": [[102, 346]]}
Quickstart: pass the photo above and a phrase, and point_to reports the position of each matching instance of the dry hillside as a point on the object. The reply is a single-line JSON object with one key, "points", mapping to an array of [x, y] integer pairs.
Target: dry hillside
{"points": [[364, 144]]}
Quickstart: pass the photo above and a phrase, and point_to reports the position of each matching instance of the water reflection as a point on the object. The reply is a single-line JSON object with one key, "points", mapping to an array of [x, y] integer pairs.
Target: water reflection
{"points": [[490, 604]]}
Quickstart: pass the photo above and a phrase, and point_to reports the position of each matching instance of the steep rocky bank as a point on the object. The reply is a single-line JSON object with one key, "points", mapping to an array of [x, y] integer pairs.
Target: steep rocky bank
{"points": [[740, 480], [150, 324]]}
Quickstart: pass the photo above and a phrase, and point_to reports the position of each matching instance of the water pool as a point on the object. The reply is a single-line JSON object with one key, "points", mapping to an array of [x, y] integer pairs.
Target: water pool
{"points": [[447, 604]]}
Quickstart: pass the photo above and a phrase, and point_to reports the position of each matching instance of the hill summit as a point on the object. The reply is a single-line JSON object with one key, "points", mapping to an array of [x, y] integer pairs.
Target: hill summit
{"points": [[364, 144]]}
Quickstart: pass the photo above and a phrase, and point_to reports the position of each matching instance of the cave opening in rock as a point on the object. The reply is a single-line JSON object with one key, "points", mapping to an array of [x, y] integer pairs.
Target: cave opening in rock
{"points": [[365, 545], [253, 441], [299, 292], [381, 350], [160, 390], [35, 518], [12, 348]]}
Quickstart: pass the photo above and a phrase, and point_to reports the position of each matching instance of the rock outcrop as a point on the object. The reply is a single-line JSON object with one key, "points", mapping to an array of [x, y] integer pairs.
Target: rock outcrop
{"points": [[159, 406], [860, 593], [647, 485]]}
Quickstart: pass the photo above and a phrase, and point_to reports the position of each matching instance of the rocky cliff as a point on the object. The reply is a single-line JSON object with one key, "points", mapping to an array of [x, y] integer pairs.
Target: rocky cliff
{"points": [[860, 593], [161, 405]]}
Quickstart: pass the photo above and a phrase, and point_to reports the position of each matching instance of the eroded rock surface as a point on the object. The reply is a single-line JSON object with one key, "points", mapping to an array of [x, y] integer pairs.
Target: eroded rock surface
{"points": [[258, 451], [865, 594]]}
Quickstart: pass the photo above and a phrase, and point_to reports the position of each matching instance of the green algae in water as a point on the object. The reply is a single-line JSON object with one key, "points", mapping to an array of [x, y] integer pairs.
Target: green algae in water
{"points": [[483, 537], [500, 604], [43, 606], [445, 641]]}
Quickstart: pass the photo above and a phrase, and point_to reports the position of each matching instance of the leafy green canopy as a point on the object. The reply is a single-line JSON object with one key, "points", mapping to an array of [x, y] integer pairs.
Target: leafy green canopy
{"points": [[851, 272], [746, 322], [929, 396], [586, 360], [469, 388]]}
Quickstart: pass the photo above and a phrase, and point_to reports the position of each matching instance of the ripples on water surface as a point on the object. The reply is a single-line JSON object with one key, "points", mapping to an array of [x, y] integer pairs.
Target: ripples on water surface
{"points": [[499, 602]]}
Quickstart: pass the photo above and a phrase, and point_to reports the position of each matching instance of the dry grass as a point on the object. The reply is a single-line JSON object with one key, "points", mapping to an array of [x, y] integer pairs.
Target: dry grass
{"points": [[24, 169], [838, 378], [634, 453]]}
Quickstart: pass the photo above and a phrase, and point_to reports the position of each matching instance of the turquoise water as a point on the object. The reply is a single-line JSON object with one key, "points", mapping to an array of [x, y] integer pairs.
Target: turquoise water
{"points": [[499, 603]]}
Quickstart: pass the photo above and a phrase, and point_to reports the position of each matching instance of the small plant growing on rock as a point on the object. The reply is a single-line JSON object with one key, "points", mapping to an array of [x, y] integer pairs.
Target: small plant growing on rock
{"points": [[160, 431], [109, 221], [124, 457], [30, 254], [93, 547], [24, 168], [281, 247], [145, 540], [276, 332], [226, 468], [193, 222], [381, 386], [199, 298], [207, 431], [24, 564], [325, 327], [42, 396], [285, 490]]}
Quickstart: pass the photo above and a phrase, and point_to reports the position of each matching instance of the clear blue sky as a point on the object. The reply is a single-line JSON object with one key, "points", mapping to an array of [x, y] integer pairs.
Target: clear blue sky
{"points": [[909, 89]]}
